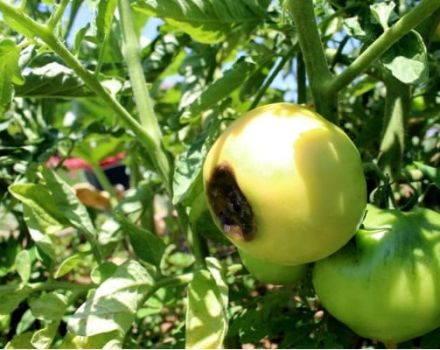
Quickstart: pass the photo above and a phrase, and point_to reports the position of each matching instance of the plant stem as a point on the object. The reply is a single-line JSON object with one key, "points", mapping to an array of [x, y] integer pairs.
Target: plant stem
{"points": [[338, 53], [397, 108], [74, 7], [155, 152], [314, 58], [51, 285], [142, 97], [301, 79], [56, 16], [383, 43], [280, 64]]}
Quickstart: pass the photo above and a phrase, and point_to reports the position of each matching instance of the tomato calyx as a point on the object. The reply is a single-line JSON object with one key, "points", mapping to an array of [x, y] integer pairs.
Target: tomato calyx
{"points": [[229, 204]]}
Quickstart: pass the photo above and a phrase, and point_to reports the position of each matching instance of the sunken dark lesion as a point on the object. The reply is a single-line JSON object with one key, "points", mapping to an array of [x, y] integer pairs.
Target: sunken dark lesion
{"points": [[229, 204]]}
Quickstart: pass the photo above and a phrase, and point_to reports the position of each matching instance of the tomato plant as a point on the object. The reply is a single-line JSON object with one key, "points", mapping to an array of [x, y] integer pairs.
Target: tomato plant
{"points": [[171, 173]]}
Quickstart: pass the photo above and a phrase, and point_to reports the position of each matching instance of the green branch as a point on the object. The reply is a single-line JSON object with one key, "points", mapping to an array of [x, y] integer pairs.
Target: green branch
{"points": [[301, 79], [53, 285], [58, 14], [397, 108], [383, 43], [151, 145], [313, 54], [142, 97]]}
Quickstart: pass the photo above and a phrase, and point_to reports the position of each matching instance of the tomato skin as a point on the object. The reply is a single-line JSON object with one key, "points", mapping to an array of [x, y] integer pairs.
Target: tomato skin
{"points": [[301, 176], [273, 273], [385, 284]]}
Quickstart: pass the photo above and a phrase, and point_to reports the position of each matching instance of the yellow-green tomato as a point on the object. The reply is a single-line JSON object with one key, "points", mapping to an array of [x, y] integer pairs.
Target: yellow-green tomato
{"points": [[285, 185], [385, 283], [268, 272]]}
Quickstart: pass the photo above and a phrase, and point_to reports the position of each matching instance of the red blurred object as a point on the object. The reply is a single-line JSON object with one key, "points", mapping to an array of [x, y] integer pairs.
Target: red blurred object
{"points": [[78, 163]]}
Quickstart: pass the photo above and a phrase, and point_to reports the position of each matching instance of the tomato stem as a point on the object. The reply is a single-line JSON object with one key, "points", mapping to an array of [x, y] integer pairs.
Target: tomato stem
{"points": [[301, 79], [397, 108], [141, 94], [315, 61], [58, 14], [383, 43]]}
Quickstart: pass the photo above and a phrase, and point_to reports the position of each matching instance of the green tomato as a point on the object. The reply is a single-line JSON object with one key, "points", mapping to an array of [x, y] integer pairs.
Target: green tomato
{"points": [[273, 273], [285, 185], [385, 284]]}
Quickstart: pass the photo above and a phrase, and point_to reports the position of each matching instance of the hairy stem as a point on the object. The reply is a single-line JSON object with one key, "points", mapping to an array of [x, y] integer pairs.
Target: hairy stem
{"points": [[383, 43], [58, 14], [314, 58], [141, 95]]}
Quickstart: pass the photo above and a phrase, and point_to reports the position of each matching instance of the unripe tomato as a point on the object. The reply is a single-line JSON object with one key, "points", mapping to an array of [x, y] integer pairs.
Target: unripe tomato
{"points": [[285, 185], [273, 273], [385, 284]]}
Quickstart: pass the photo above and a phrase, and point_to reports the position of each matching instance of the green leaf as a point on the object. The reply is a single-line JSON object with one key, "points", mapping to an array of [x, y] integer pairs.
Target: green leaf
{"points": [[50, 306], [43, 338], [11, 295], [354, 28], [114, 304], [132, 205], [187, 181], [382, 13], [231, 80], [160, 55], [147, 246], [25, 323], [23, 265], [68, 265], [432, 173], [206, 317], [110, 340], [104, 18], [47, 216], [208, 21], [52, 80], [45, 246], [101, 272], [407, 59], [21, 341], [9, 72], [9, 249], [95, 147], [217, 273], [64, 197], [79, 37]]}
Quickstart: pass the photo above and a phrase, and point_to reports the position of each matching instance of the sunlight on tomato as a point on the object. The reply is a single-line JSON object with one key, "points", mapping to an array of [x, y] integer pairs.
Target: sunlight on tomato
{"points": [[273, 273], [385, 284], [285, 185]]}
